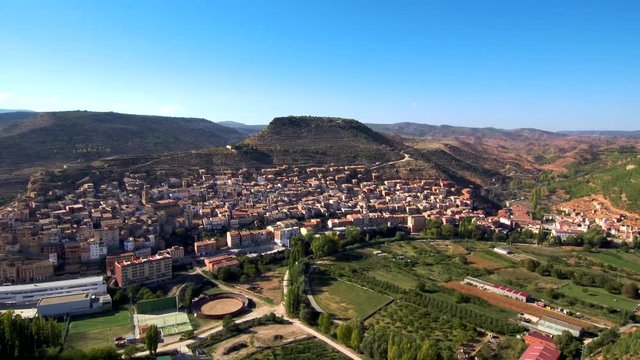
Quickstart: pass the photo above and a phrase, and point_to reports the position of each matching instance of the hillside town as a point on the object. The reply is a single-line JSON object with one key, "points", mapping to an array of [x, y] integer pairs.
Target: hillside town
{"points": [[127, 223], [56, 246]]}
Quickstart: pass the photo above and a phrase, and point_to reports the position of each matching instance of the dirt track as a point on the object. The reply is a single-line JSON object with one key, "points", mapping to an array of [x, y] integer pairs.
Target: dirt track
{"points": [[513, 304]]}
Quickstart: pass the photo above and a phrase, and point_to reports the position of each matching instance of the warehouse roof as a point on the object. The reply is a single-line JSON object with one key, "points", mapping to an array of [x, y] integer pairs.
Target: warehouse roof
{"points": [[561, 323], [51, 284], [63, 299]]}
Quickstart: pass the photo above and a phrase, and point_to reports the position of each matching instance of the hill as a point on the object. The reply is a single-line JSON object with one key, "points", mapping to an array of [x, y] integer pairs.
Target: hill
{"points": [[80, 135], [323, 140], [8, 118], [613, 172], [50, 139], [245, 129], [418, 130]]}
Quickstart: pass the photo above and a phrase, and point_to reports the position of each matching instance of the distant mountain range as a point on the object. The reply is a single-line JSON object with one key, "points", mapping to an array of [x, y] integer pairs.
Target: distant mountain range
{"points": [[15, 110], [248, 130], [29, 139], [632, 133]]}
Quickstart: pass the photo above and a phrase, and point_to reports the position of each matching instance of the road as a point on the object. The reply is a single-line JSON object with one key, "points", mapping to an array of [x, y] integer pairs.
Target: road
{"points": [[264, 309], [328, 340], [406, 158]]}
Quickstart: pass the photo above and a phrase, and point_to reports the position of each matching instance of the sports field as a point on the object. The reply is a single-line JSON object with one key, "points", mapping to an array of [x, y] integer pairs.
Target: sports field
{"points": [[169, 324], [100, 321]]}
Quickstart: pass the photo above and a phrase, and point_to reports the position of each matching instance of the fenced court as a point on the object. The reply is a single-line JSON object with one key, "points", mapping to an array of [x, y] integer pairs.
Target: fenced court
{"points": [[157, 306], [168, 324]]}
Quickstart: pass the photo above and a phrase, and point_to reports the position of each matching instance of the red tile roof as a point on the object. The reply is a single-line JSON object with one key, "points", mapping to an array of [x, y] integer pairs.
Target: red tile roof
{"points": [[540, 352]]}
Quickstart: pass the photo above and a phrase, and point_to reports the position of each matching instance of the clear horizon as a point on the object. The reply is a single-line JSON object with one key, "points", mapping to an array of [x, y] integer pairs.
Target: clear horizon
{"points": [[559, 66]]}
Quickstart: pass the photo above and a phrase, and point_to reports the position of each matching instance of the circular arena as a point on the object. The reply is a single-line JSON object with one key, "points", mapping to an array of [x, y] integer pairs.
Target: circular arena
{"points": [[217, 306]]}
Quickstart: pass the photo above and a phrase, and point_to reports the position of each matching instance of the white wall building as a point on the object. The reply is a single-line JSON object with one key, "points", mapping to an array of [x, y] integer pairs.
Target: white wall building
{"points": [[32, 293]]}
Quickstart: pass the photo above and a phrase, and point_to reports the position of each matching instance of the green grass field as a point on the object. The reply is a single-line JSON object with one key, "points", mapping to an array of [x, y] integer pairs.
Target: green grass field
{"points": [[100, 321], [617, 259], [345, 300], [95, 338], [493, 256], [397, 278], [599, 296]]}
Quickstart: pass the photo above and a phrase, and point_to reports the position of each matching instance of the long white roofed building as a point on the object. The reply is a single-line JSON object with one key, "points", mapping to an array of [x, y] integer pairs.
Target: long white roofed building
{"points": [[12, 295]]}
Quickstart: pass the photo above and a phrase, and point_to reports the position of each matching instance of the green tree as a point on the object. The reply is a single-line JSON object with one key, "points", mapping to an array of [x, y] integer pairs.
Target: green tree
{"points": [[630, 290], [324, 245], [356, 338], [151, 339], [568, 345], [344, 333], [429, 351], [324, 322], [130, 351], [306, 314], [228, 324]]}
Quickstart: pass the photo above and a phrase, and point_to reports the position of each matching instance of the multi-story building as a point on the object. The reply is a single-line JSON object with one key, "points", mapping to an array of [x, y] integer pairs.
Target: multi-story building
{"points": [[144, 270], [111, 261], [282, 236], [416, 223], [234, 239], [218, 262], [21, 271], [176, 252], [205, 247]]}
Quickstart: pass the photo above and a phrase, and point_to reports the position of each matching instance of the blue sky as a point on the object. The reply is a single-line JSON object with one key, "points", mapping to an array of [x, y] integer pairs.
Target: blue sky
{"points": [[553, 64]]}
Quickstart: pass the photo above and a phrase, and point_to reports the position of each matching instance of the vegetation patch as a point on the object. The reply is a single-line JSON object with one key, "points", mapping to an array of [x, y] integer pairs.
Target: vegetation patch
{"points": [[599, 296], [306, 349], [343, 299]]}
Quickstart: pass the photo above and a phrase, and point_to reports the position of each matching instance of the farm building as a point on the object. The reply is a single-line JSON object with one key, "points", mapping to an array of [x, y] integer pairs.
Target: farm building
{"points": [[535, 338], [497, 289], [540, 352], [556, 327], [479, 283], [502, 251]]}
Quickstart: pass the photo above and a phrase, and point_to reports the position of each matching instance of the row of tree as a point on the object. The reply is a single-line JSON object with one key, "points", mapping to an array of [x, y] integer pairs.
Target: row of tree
{"points": [[22, 338], [464, 313], [384, 343]]}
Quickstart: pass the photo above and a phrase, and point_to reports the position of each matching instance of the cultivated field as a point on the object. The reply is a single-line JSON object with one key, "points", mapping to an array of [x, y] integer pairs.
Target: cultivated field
{"points": [[515, 305]]}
